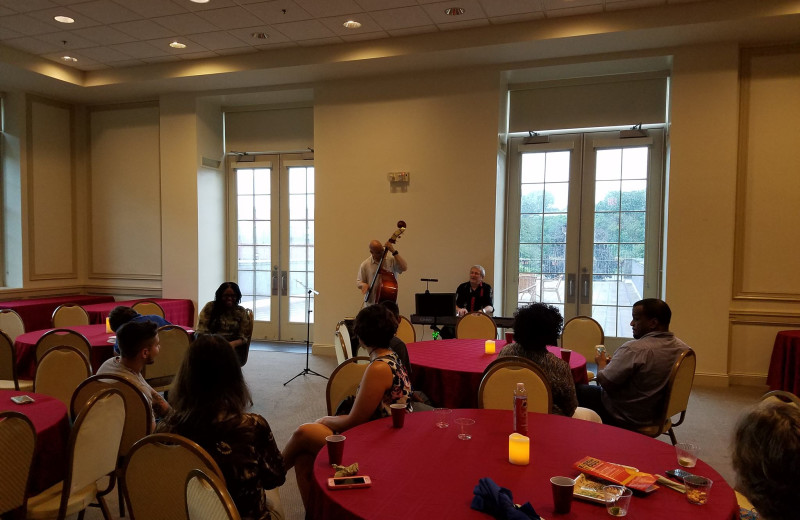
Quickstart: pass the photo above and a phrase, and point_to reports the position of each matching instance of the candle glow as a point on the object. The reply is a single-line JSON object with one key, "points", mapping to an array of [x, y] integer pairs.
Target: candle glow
{"points": [[519, 449]]}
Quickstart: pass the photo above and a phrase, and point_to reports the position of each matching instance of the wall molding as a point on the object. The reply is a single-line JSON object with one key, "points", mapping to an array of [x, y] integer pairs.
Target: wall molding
{"points": [[745, 60], [125, 276], [33, 275]]}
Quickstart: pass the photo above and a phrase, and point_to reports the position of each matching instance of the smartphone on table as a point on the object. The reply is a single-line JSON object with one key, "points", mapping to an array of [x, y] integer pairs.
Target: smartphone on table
{"points": [[357, 481], [22, 399]]}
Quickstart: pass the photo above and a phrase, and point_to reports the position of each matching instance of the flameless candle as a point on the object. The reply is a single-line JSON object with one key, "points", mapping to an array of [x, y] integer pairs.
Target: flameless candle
{"points": [[108, 327], [489, 347], [519, 449]]}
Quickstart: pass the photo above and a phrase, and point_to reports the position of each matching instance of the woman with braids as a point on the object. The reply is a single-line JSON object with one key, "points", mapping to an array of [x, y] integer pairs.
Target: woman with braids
{"points": [[224, 316]]}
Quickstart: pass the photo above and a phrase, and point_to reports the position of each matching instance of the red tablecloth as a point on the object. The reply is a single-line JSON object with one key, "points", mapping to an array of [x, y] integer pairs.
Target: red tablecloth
{"points": [[450, 371], [176, 311], [784, 366], [26, 353], [421, 471], [49, 418], [37, 313]]}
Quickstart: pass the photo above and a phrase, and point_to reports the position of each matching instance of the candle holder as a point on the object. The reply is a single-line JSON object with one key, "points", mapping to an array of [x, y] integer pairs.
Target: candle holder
{"points": [[519, 449]]}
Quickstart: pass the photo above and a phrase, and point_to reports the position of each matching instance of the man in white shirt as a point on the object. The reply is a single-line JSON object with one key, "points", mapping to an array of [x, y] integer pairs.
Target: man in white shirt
{"points": [[138, 342], [393, 262]]}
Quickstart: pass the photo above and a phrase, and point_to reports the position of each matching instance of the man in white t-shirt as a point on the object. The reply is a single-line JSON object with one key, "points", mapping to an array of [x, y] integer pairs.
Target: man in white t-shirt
{"points": [[138, 342]]}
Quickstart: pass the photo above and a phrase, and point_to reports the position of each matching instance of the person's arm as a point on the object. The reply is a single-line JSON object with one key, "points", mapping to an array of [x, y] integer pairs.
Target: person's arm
{"points": [[160, 406], [402, 265], [488, 304], [377, 379], [245, 329], [361, 280], [615, 371], [461, 302], [202, 319]]}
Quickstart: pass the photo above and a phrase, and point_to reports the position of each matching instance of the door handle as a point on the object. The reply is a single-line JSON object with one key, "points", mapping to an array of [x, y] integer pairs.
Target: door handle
{"points": [[586, 298], [570, 288], [283, 283], [274, 281]]}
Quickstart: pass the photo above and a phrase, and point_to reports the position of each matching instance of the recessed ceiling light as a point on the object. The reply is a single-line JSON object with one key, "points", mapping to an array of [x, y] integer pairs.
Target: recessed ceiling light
{"points": [[177, 45], [260, 35], [352, 24], [64, 19], [69, 58], [201, 1], [454, 11]]}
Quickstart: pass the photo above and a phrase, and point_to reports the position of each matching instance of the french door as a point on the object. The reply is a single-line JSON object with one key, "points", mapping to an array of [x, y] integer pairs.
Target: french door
{"points": [[272, 220], [584, 225]]}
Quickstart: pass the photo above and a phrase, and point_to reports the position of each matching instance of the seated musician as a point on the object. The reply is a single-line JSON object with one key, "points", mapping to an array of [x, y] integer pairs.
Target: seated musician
{"points": [[474, 295], [393, 262]]}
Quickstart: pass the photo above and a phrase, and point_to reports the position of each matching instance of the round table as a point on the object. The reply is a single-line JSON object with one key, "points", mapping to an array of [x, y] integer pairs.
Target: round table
{"points": [[421, 471], [49, 418], [450, 371], [98, 338]]}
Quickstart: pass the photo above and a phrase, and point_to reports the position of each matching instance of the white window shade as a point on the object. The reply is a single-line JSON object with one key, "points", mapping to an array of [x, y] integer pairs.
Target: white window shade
{"points": [[590, 103]]}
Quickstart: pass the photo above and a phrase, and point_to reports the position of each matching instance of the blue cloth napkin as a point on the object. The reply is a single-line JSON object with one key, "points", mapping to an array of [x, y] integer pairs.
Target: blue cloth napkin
{"points": [[498, 502]]}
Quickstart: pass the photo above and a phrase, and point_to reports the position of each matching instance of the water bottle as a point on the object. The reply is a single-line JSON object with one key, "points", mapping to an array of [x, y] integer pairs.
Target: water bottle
{"points": [[521, 409]]}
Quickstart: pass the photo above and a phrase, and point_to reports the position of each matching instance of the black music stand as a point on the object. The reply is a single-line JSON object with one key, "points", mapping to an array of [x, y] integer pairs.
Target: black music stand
{"points": [[307, 370]]}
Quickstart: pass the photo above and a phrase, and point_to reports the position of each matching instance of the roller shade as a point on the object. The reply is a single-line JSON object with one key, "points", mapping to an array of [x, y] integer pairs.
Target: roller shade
{"points": [[275, 130], [606, 102]]}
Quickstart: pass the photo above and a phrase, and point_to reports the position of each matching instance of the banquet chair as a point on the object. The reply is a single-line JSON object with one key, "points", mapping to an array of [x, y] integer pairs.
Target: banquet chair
{"points": [[11, 323], [17, 446], [175, 343], [138, 415], [405, 331], [59, 373], [476, 325], [500, 378], [8, 366], [780, 396], [162, 462], [243, 351], [63, 337], [676, 398], [148, 307], [207, 498], [92, 455], [582, 334], [70, 315], [344, 381], [342, 343]]}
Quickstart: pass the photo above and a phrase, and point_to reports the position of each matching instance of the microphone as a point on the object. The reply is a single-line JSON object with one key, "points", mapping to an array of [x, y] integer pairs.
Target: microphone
{"points": [[428, 279]]}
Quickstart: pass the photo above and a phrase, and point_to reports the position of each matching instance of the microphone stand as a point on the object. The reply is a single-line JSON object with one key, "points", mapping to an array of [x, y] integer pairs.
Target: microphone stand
{"points": [[307, 370]]}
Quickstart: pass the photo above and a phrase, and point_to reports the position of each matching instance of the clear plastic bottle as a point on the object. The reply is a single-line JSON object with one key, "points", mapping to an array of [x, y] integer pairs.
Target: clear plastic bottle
{"points": [[521, 409]]}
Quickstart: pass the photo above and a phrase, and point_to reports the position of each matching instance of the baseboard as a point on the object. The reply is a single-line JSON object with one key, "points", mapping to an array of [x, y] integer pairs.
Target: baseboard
{"points": [[712, 380], [323, 349], [749, 380]]}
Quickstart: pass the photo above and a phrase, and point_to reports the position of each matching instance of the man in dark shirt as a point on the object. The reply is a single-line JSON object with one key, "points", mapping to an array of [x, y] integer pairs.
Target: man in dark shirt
{"points": [[472, 296]]}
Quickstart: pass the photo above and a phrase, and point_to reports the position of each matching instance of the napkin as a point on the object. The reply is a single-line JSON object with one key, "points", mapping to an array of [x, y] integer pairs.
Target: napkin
{"points": [[498, 502]]}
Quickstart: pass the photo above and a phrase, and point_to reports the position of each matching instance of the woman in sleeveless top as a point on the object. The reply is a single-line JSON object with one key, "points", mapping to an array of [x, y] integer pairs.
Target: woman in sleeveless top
{"points": [[385, 382]]}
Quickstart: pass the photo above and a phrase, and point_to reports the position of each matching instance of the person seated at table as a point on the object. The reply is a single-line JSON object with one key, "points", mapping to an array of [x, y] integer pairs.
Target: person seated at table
{"points": [[474, 295], [766, 457], [631, 385], [224, 316], [139, 346], [209, 399], [385, 382], [535, 327], [397, 344], [122, 314]]}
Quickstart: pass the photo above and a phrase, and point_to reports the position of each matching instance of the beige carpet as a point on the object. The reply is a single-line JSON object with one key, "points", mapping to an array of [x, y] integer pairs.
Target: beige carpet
{"points": [[709, 422]]}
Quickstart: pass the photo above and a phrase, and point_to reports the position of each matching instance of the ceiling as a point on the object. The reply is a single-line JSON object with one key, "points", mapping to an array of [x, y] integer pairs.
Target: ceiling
{"points": [[116, 34]]}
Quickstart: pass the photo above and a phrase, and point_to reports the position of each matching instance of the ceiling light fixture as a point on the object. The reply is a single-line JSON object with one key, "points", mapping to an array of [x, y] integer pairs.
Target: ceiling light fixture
{"points": [[69, 58], [200, 1], [352, 24], [64, 19], [260, 35], [177, 45], [454, 11]]}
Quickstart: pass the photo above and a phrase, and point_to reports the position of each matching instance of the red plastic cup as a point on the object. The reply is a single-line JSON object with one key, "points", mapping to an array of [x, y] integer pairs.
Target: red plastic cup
{"points": [[565, 354], [562, 494], [398, 414], [335, 448], [509, 337]]}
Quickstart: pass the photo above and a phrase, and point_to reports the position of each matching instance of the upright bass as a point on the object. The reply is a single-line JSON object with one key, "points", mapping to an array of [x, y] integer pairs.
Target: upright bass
{"points": [[384, 283]]}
